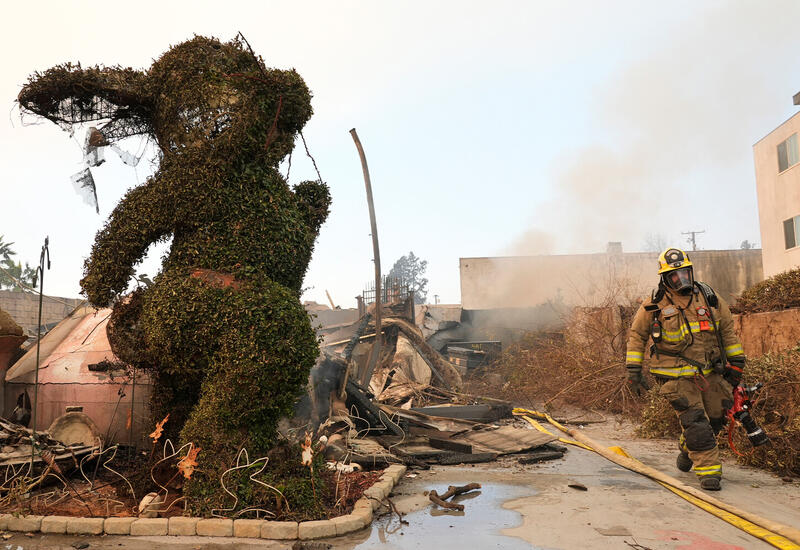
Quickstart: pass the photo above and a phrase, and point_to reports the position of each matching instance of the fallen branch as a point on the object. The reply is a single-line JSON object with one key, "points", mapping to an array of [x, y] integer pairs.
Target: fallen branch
{"points": [[581, 379], [436, 499], [394, 509], [453, 490]]}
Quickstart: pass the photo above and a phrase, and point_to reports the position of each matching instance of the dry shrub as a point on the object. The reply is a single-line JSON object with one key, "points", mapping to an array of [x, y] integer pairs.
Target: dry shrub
{"points": [[8, 326], [780, 291], [581, 366], [777, 410], [658, 419]]}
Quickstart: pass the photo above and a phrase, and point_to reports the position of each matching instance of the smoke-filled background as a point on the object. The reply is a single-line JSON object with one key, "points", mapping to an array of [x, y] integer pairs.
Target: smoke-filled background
{"points": [[675, 131], [510, 128]]}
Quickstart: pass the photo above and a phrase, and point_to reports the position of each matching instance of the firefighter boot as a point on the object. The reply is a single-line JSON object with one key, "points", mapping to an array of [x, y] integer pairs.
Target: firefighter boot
{"points": [[710, 483], [683, 462]]}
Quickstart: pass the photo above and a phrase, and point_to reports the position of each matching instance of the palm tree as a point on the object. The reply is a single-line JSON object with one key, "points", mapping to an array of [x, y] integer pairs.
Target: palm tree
{"points": [[5, 249], [17, 278], [13, 276]]}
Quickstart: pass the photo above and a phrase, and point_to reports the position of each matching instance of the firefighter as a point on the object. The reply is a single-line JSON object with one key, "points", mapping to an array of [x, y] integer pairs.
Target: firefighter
{"points": [[695, 357]]}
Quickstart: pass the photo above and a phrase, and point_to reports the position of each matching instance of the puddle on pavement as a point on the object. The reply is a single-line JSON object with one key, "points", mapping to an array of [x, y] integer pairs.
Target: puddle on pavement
{"points": [[478, 526]]}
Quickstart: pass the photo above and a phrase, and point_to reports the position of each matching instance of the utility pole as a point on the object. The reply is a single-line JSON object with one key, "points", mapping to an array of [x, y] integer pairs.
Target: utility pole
{"points": [[692, 238]]}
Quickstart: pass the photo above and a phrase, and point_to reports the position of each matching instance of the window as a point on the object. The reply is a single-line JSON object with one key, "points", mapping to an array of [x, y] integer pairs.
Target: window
{"points": [[791, 232], [787, 153]]}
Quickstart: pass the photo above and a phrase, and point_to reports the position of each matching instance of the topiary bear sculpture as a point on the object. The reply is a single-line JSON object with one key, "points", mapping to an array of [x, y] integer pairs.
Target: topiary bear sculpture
{"points": [[221, 327]]}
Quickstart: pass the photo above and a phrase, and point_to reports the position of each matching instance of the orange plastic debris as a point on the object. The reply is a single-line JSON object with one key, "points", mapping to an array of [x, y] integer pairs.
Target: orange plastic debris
{"points": [[156, 435], [188, 463]]}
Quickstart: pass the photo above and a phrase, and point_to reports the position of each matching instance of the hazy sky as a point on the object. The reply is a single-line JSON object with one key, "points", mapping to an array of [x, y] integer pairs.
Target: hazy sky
{"points": [[490, 128]]}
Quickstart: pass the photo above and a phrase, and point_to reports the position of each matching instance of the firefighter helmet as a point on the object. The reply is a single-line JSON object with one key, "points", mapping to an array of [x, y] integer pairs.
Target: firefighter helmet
{"points": [[672, 258], [676, 270]]}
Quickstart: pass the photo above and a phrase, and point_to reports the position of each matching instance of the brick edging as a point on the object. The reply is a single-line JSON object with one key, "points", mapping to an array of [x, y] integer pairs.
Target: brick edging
{"points": [[359, 518]]}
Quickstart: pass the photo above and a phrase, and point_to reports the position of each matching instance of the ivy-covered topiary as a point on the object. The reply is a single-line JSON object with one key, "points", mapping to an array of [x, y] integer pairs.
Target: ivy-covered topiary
{"points": [[221, 327]]}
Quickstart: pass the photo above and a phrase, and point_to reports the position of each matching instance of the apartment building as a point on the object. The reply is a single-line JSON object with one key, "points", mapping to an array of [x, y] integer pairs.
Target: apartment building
{"points": [[777, 164]]}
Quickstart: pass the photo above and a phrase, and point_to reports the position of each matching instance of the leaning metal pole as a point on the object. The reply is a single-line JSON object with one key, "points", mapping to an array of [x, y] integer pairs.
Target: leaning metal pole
{"points": [[376, 347], [45, 254], [131, 445]]}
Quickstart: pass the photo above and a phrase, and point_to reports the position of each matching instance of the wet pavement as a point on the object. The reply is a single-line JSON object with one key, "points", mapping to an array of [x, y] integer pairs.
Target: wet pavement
{"points": [[481, 523]]}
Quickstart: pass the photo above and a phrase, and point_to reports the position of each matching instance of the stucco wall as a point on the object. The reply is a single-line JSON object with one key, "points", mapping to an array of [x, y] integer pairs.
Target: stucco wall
{"points": [[593, 280], [778, 198], [771, 331]]}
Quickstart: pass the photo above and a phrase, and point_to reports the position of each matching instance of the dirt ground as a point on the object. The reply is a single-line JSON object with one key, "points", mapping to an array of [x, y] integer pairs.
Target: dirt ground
{"points": [[531, 506]]}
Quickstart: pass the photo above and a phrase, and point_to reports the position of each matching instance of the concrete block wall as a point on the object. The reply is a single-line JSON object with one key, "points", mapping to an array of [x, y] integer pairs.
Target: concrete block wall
{"points": [[24, 308]]}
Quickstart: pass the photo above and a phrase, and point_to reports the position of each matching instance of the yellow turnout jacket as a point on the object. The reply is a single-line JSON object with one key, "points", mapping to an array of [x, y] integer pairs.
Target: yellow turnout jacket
{"points": [[686, 330]]}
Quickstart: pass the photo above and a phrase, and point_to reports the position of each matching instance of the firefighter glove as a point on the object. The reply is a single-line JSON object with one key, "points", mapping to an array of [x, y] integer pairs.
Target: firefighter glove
{"points": [[637, 382], [733, 370]]}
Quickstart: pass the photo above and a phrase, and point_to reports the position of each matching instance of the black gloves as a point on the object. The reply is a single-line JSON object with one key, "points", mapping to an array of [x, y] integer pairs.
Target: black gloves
{"points": [[636, 382], [734, 369]]}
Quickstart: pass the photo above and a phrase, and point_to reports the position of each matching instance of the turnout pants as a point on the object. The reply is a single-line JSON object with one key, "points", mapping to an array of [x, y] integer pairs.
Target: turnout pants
{"points": [[700, 405]]}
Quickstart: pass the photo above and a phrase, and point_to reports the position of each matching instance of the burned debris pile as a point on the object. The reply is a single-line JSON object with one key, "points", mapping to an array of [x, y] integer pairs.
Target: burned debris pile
{"points": [[37, 469], [15, 447], [411, 408], [418, 439]]}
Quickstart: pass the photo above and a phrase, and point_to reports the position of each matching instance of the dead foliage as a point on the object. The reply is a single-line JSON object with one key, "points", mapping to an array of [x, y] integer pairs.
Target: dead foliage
{"points": [[779, 292], [8, 326], [583, 365], [658, 418], [777, 410]]}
